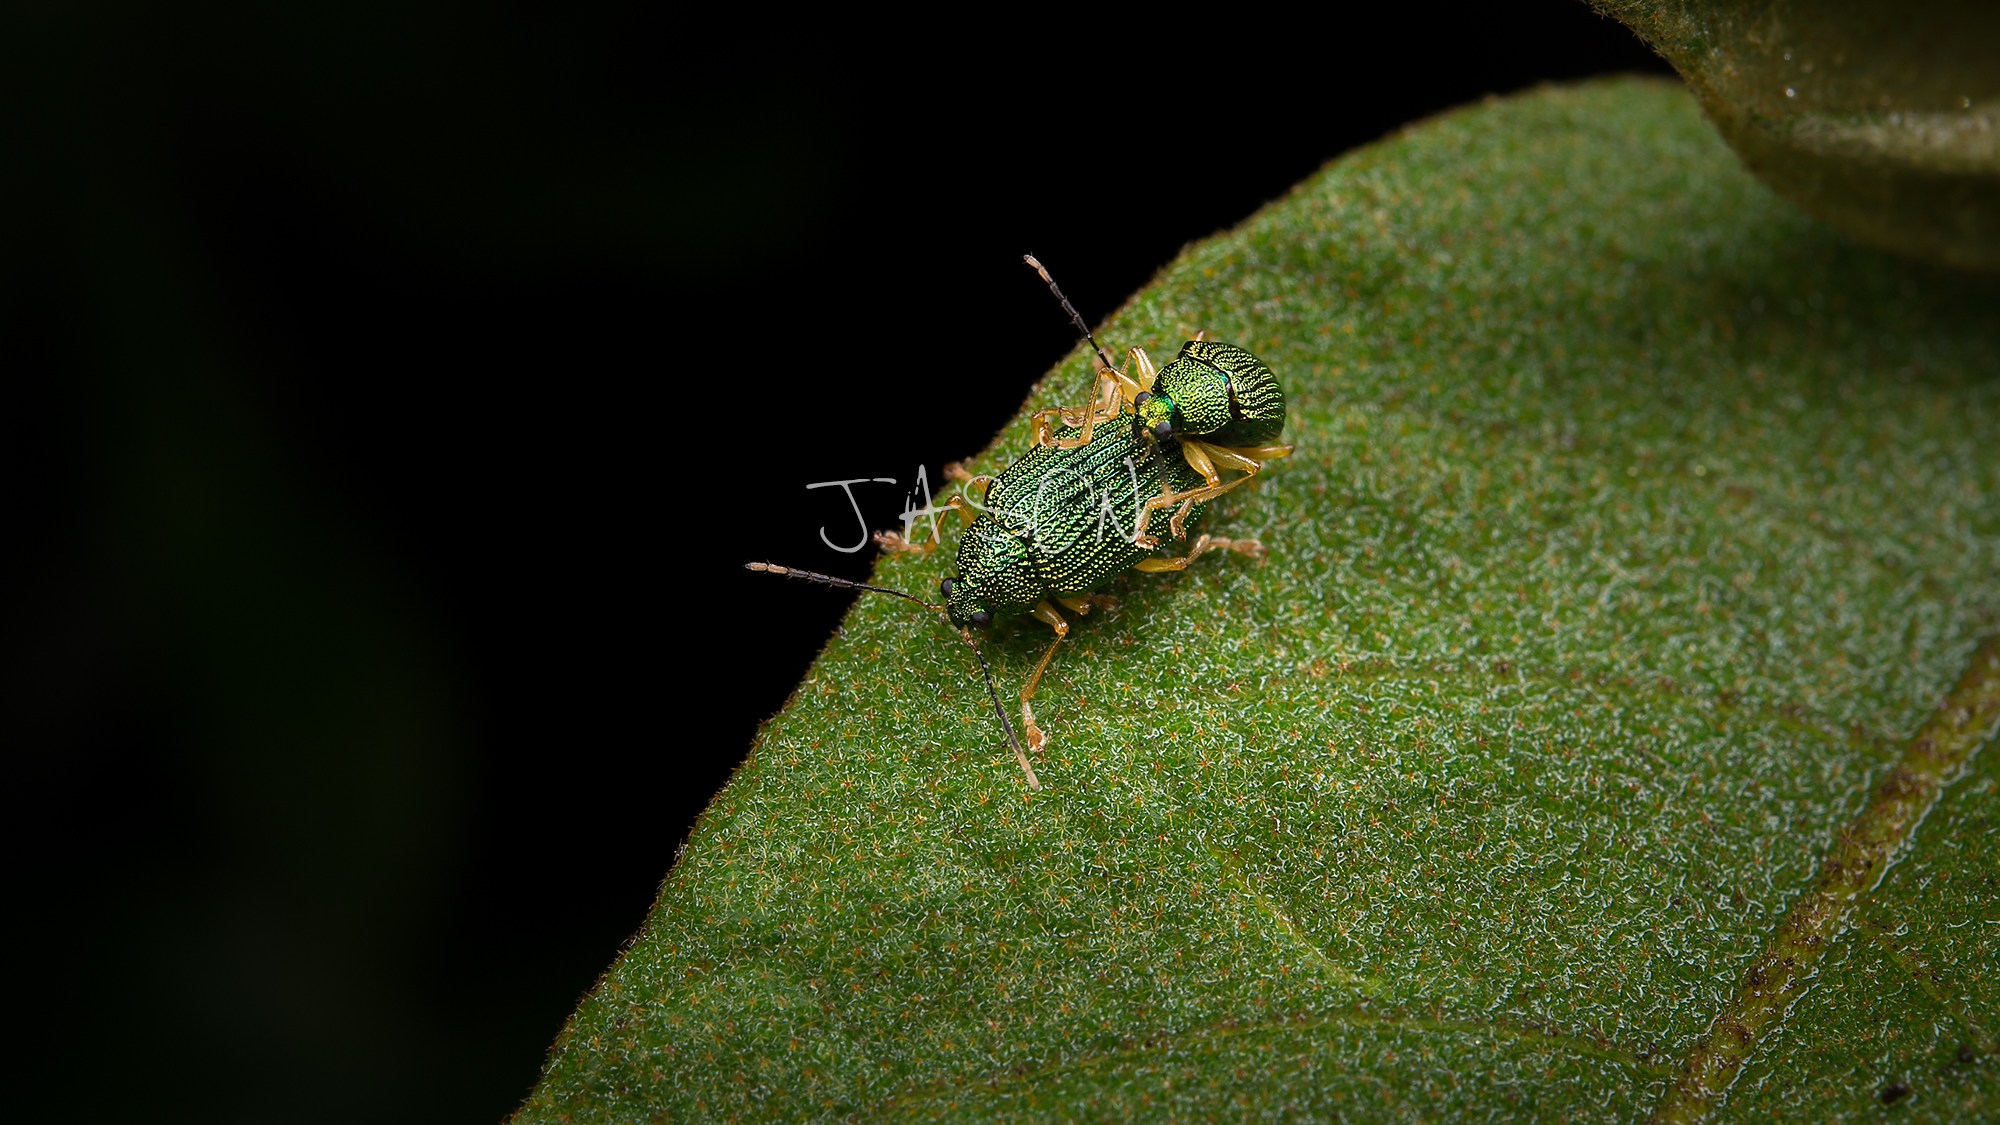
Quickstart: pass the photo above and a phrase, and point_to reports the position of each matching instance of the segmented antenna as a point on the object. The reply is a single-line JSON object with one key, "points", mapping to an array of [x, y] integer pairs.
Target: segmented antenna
{"points": [[964, 635], [1074, 317], [830, 580], [1033, 781]]}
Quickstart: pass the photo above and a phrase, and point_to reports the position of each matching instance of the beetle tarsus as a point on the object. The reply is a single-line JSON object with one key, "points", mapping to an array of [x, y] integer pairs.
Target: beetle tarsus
{"points": [[894, 543], [1037, 741]]}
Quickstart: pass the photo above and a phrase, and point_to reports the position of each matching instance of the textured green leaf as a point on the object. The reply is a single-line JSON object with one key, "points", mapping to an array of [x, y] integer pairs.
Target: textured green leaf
{"points": [[1637, 525], [1911, 995]]}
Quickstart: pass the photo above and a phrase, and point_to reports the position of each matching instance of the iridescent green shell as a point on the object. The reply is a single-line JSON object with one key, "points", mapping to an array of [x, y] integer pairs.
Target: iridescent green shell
{"points": [[1059, 522], [1222, 395]]}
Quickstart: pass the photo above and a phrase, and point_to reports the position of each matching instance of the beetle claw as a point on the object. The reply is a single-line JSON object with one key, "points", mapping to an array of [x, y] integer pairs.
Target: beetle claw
{"points": [[1037, 741]]}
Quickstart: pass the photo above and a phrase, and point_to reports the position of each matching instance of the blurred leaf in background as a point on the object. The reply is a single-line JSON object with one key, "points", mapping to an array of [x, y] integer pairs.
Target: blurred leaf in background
{"points": [[1880, 119]]}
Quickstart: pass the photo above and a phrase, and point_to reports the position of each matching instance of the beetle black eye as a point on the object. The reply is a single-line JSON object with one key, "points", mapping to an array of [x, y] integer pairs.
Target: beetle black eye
{"points": [[1164, 430], [1142, 398], [981, 619], [944, 586]]}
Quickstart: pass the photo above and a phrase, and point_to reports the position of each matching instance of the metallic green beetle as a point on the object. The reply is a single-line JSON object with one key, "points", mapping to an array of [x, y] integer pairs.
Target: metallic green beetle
{"points": [[1217, 392], [1073, 512], [1220, 406], [1063, 520]]}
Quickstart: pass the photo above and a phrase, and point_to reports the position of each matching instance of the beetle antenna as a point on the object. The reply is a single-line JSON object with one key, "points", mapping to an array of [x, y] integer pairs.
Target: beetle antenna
{"points": [[964, 634], [830, 580], [1033, 782], [1074, 317]]}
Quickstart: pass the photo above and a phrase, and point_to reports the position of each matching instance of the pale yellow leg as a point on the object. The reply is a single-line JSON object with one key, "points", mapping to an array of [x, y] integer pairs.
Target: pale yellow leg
{"points": [[1259, 453], [1202, 545], [1186, 500], [1112, 396], [963, 505], [1108, 402], [1034, 782], [1200, 454], [1143, 374], [1045, 613], [1223, 458], [894, 543], [1140, 537], [1045, 430], [1204, 458], [1198, 460]]}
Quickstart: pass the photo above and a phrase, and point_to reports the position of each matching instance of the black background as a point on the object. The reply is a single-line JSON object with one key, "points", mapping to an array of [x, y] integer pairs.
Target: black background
{"points": [[394, 394]]}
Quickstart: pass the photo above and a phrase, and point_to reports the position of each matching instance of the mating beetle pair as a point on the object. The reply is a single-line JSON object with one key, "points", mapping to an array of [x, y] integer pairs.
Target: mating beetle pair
{"points": [[1076, 509]]}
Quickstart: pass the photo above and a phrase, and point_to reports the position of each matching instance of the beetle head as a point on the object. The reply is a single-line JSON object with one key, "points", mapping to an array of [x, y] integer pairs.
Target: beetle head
{"points": [[1156, 416], [963, 604]]}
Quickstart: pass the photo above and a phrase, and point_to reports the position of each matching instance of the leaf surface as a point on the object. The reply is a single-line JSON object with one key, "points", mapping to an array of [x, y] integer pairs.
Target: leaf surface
{"points": [[1637, 523]]}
